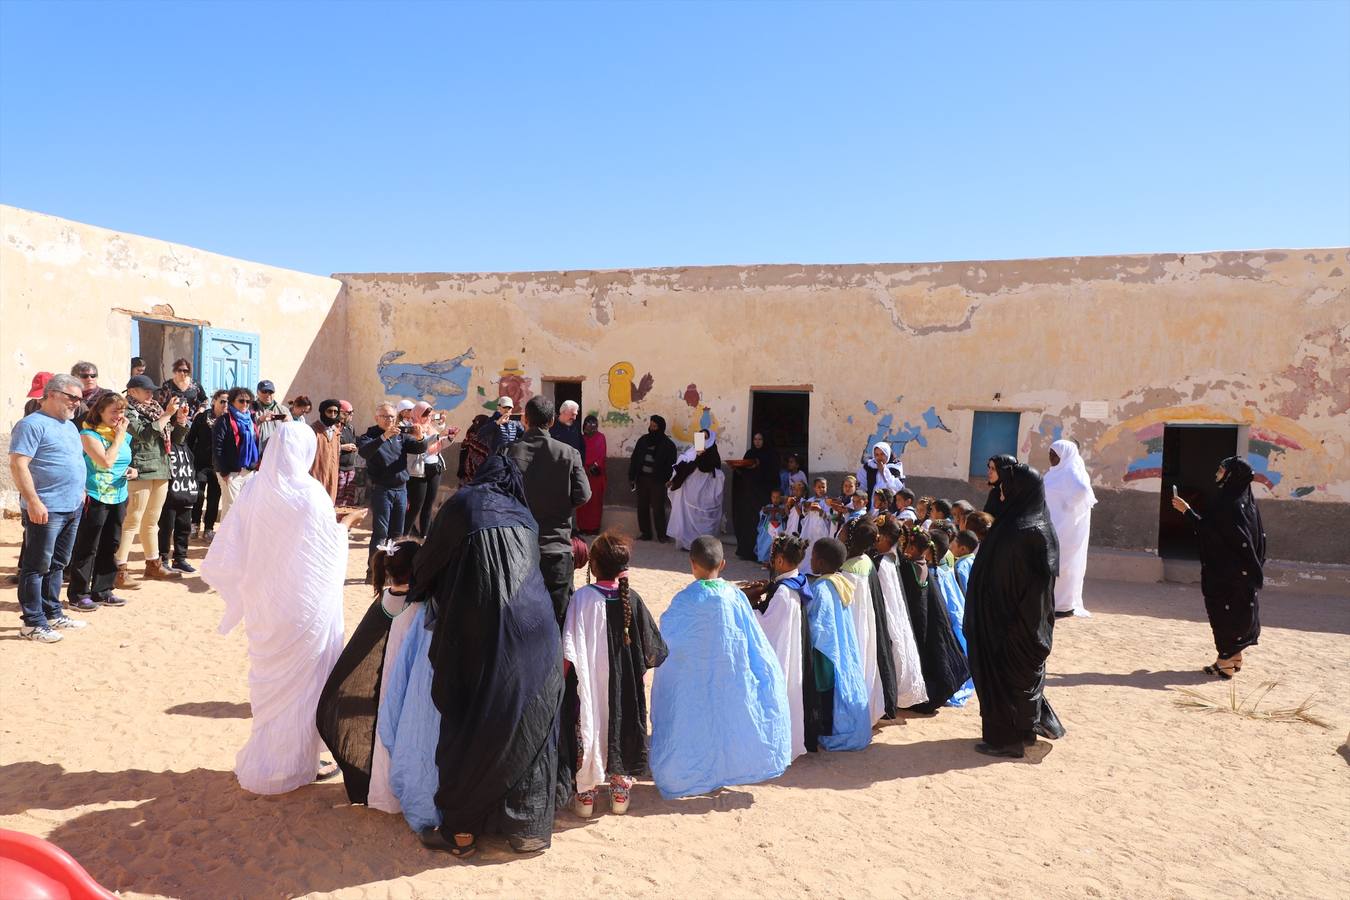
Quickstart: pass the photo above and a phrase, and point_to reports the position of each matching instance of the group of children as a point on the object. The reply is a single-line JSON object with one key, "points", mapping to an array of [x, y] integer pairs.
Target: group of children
{"points": [[855, 624]]}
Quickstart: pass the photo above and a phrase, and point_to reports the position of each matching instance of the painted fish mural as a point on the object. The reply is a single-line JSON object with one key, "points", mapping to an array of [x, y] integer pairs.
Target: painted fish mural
{"points": [[442, 383]]}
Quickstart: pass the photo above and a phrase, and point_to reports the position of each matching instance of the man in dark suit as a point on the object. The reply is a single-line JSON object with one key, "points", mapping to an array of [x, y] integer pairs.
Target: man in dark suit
{"points": [[555, 485]]}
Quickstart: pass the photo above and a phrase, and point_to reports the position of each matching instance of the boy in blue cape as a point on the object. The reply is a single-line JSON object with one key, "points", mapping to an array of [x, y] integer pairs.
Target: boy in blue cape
{"points": [[719, 703], [837, 667]]}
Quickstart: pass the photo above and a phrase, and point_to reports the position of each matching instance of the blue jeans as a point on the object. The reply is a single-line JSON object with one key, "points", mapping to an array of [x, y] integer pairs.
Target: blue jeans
{"points": [[388, 506], [46, 553]]}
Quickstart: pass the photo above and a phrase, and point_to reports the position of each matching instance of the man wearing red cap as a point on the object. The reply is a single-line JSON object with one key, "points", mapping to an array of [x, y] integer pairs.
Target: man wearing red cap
{"points": [[346, 486], [35, 395]]}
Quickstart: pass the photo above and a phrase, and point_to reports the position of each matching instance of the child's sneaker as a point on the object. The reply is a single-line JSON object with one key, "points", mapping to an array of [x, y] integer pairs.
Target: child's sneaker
{"points": [[40, 633], [65, 621], [584, 804]]}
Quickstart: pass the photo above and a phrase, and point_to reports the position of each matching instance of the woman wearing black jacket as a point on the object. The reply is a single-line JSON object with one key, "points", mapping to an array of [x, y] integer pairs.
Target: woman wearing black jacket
{"points": [[208, 489], [1232, 563]]}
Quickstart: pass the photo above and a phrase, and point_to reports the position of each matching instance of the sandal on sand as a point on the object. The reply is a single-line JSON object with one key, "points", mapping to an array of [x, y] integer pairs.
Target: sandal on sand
{"points": [[326, 770], [1225, 673], [1012, 752], [432, 839]]}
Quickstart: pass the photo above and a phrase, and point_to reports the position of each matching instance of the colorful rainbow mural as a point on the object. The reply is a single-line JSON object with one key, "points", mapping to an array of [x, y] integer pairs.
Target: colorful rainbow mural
{"points": [[1269, 438]]}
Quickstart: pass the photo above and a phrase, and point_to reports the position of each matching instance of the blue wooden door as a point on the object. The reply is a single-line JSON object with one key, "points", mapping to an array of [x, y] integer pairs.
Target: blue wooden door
{"points": [[991, 433], [229, 359]]}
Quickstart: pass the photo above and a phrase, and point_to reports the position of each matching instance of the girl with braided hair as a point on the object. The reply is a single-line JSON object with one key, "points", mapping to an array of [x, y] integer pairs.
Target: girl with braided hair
{"points": [[609, 640]]}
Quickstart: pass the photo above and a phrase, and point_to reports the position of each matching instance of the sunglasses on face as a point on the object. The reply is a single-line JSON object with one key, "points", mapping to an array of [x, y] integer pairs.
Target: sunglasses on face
{"points": [[242, 402], [88, 374], [70, 398], [183, 371]]}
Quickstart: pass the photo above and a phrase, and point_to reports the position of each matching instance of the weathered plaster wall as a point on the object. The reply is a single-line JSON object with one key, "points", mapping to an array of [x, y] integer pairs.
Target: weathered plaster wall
{"points": [[902, 352], [907, 353], [68, 291]]}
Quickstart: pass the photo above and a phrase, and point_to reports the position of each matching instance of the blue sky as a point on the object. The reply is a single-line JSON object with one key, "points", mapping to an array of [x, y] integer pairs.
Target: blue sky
{"points": [[515, 136]]}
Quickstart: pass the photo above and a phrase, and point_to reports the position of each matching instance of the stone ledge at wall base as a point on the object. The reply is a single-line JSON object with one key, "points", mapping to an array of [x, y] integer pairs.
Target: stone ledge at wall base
{"points": [[1145, 567]]}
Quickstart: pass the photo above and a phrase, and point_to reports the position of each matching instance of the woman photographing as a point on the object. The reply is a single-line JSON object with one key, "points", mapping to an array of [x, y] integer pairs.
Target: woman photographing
{"points": [[1232, 562]]}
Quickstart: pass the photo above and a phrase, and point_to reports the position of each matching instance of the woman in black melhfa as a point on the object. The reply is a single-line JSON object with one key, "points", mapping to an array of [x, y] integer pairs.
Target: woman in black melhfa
{"points": [[1232, 560]]}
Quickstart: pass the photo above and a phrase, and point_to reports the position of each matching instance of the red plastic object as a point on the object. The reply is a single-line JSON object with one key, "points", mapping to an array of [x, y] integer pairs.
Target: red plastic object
{"points": [[33, 869]]}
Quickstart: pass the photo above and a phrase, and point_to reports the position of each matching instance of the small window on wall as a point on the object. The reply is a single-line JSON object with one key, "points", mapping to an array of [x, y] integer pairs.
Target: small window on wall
{"points": [[991, 434]]}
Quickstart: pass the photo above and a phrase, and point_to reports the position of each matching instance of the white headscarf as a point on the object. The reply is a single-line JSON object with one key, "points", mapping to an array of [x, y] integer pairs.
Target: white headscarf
{"points": [[280, 555], [890, 473], [1068, 483]]}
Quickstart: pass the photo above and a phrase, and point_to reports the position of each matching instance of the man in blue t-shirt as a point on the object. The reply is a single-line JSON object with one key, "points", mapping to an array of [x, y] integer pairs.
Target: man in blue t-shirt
{"points": [[47, 463]]}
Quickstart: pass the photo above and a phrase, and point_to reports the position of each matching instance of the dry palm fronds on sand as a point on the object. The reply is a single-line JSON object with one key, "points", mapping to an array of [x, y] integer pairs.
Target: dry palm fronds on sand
{"points": [[1247, 707]]}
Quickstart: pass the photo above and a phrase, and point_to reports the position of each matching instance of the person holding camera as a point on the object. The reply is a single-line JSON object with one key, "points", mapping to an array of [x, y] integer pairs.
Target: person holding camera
{"points": [[268, 414], [386, 448], [154, 431], [425, 469]]}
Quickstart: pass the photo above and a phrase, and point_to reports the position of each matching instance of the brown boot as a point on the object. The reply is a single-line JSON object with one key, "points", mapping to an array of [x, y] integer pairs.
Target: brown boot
{"points": [[155, 571], [123, 580]]}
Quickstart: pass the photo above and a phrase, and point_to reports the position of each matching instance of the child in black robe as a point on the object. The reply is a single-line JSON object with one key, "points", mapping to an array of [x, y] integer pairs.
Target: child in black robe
{"points": [[610, 640], [944, 666]]}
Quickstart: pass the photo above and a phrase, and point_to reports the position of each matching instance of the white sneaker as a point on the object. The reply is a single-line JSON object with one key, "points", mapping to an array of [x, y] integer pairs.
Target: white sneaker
{"points": [[40, 633], [209, 535], [64, 621]]}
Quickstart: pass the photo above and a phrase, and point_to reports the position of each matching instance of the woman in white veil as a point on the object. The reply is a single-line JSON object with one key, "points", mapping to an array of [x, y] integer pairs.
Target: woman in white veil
{"points": [[879, 469], [696, 493], [278, 562], [1069, 497]]}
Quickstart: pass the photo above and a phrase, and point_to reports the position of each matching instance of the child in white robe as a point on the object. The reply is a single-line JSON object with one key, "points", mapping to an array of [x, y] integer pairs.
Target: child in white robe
{"points": [[817, 518]]}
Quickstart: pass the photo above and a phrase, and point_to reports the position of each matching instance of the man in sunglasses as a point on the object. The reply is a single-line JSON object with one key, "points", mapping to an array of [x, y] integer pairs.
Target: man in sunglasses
{"points": [[46, 461]]}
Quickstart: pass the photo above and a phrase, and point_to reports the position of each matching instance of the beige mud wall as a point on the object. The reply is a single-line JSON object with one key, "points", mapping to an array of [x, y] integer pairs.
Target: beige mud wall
{"points": [[68, 291], [909, 352]]}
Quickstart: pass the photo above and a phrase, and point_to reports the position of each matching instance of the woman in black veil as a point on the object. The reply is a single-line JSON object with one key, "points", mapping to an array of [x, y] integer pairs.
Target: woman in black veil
{"points": [[752, 481], [1232, 563], [497, 658], [1010, 614]]}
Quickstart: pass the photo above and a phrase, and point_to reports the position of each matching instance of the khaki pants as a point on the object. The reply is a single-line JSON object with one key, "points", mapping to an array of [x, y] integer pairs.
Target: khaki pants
{"points": [[230, 486], [145, 501]]}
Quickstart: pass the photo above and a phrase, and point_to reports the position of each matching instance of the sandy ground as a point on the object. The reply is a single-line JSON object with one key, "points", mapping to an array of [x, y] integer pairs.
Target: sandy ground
{"points": [[117, 744]]}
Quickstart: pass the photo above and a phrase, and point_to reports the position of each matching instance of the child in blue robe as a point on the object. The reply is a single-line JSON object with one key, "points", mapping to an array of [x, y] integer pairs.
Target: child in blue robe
{"points": [[964, 548], [845, 722], [719, 711], [772, 519]]}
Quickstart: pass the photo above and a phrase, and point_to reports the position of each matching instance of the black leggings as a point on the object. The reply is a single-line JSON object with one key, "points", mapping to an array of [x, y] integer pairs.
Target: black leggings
{"points": [[421, 500], [93, 568]]}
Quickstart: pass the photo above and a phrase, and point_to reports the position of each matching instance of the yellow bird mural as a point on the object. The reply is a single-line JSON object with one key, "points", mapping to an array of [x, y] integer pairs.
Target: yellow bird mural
{"points": [[622, 390]]}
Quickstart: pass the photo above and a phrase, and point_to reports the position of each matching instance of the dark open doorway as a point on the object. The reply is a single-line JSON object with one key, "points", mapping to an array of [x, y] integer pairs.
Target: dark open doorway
{"points": [[159, 344], [562, 390], [1190, 455], [784, 418]]}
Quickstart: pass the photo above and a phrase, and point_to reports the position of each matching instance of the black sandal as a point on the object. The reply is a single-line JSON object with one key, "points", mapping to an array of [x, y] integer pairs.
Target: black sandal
{"points": [[1003, 752], [432, 839], [1225, 674]]}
